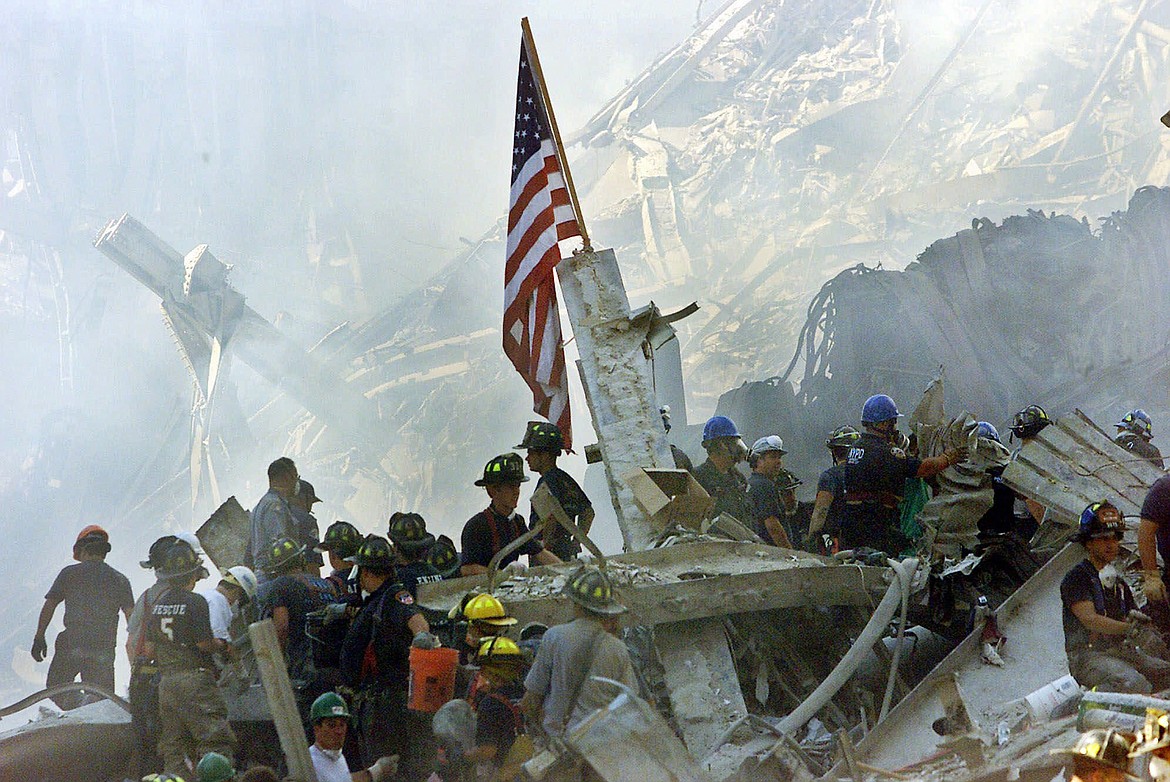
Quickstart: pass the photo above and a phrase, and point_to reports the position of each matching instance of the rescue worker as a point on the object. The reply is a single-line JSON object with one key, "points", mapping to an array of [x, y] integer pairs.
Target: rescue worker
{"points": [[93, 593], [490, 530], [192, 713], [331, 718], [236, 588], [559, 689], [544, 443], [825, 527], [375, 660], [771, 509], [1134, 432], [718, 474], [874, 477], [1100, 614], [1026, 424], [294, 592], [143, 690], [341, 541], [214, 767], [444, 558], [1000, 518], [496, 703], [485, 617], [1154, 541], [1099, 755], [272, 518], [408, 533], [1154, 740], [300, 505]]}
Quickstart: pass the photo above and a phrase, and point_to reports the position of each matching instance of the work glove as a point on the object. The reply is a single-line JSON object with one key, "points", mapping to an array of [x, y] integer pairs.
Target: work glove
{"points": [[384, 768], [1152, 585], [1138, 617], [425, 640], [39, 648]]}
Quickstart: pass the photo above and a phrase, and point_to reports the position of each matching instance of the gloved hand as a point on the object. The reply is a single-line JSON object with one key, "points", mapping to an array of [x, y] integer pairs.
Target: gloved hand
{"points": [[1138, 617], [515, 568], [426, 641], [39, 648], [384, 768], [1152, 585]]}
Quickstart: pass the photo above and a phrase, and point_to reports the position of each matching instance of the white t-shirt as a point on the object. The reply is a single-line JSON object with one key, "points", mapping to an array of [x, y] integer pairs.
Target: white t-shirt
{"points": [[219, 612], [328, 767]]}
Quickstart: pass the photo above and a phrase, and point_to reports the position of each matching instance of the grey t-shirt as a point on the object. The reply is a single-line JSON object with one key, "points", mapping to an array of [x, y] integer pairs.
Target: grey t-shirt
{"points": [[560, 667]]}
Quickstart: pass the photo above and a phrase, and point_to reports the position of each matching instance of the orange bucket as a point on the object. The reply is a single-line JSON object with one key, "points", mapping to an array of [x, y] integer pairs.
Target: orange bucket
{"points": [[432, 678]]}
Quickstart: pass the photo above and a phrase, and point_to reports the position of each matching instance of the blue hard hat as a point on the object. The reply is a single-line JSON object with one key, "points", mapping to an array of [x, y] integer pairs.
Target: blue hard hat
{"points": [[1138, 422], [719, 426], [878, 408], [985, 429]]}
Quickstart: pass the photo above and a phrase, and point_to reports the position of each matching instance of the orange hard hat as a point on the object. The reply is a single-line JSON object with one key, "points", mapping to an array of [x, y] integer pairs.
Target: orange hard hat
{"points": [[93, 531]]}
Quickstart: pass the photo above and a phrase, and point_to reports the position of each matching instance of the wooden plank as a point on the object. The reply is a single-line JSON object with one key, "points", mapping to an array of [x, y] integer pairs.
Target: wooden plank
{"points": [[282, 703], [705, 697]]}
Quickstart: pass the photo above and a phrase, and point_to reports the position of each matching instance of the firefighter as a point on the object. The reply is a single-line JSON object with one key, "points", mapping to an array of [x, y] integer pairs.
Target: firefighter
{"points": [[1099, 755], [341, 541], [718, 474], [1134, 432], [94, 593], [144, 676], [1026, 424], [1100, 614], [829, 509], [1154, 740], [875, 473], [493, 528], [560, 689], [192, 713], [496, 703], [375, 660], [544, 443], [408, 533]]}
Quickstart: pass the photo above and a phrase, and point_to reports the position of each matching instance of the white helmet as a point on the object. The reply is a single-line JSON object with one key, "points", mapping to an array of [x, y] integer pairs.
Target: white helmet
{"points": [[244, 578], [770, 443], [192, 541]]}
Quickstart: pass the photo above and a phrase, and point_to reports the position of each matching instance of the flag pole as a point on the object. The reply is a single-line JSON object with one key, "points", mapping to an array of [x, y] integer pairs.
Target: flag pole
{"points": [[538, 76]]}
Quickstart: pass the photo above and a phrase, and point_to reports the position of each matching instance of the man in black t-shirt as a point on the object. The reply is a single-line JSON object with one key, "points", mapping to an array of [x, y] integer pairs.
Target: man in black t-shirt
{"points": [[544, 443], [490, 530], [93, 593], [1099, 613], [293, 592], [192, 713]]}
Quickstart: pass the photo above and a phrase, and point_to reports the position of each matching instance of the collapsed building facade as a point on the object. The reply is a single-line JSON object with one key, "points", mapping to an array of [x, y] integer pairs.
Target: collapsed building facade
{"points": [[777, 147]]}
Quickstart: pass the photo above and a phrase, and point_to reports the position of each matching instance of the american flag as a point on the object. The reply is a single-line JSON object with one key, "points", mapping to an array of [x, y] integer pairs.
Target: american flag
{"points": [[540, 215]]}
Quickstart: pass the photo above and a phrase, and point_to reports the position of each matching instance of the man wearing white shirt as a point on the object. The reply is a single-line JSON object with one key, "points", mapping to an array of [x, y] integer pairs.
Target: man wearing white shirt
{"points": [[237, 587], [330, 718]]}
